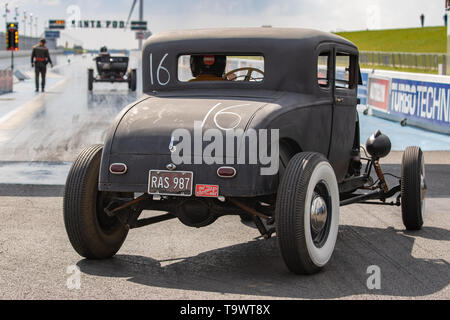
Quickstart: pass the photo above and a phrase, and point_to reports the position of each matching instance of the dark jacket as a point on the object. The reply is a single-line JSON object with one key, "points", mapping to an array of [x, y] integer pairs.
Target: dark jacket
{"points": [[40, 54]]}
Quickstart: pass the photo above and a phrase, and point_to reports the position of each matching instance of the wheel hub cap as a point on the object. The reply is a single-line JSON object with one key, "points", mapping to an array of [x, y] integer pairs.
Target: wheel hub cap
{"points": [[423, 187], [319, 214]]}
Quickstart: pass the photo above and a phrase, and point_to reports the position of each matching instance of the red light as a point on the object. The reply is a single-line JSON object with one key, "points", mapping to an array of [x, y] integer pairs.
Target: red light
{"points": [[118, 168], [226, 172]]}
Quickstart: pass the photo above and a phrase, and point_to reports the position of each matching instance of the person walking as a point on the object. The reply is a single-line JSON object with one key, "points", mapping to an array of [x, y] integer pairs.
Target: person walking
{"points": [[40, 57]]}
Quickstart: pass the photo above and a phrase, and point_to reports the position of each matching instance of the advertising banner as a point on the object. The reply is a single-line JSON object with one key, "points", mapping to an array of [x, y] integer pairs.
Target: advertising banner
{"points": [[363, 89], [98, 24], [422, 101], [378, 95]]}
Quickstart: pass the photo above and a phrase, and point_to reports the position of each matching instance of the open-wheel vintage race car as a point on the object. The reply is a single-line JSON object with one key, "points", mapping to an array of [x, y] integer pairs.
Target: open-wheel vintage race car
{"points": [[112, 69], [257, 122]]}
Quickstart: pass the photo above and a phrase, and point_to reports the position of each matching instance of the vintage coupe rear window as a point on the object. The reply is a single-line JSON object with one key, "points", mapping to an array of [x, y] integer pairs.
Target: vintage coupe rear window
{"points": [[213, 67]]}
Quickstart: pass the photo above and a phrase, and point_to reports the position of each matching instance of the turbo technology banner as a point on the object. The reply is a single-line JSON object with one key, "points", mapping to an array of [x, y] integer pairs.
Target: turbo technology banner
{"points": [[423, 101]]}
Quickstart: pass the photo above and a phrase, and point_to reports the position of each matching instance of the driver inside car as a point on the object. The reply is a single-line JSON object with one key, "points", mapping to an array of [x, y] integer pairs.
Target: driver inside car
{"points": [[104, 51], [208, 67]]}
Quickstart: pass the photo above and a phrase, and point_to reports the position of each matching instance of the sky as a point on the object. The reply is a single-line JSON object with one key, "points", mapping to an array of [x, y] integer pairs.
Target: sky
{"points": [[326, 15]]}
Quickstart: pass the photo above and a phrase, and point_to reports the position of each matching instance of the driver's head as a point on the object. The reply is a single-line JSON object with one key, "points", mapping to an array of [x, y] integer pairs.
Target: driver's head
{"points": [[208, 64]]}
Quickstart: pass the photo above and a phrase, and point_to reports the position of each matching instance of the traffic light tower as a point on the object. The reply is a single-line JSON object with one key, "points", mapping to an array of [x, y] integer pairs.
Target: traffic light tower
{"points": [[12, 39]]}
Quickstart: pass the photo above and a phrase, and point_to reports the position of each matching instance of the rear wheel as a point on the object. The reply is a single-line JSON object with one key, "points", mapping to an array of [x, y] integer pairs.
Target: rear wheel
{"points": [[90, 79], [92, 233], [307, 213], [413, 189], [132, 81]]}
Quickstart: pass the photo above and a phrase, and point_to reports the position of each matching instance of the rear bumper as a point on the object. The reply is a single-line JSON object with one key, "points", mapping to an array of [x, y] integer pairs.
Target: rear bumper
{"points": [[248, 181]]}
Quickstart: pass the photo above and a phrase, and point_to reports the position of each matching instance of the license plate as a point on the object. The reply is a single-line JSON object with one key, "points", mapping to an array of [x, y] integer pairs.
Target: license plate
{"points": [[170, 183]]}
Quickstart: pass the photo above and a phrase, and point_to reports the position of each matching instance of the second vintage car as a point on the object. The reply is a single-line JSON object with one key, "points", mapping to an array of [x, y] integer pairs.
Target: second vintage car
{"points": [[258, 122], [112, 69]]}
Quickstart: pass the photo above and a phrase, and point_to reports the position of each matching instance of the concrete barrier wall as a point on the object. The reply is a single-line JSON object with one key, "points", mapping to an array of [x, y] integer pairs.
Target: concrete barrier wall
{"points": [[6, 81], [416, 99]]}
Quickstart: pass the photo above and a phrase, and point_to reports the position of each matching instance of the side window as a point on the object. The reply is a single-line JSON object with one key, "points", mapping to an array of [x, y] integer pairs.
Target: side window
{"points": [[323, 72], [345, 77]]}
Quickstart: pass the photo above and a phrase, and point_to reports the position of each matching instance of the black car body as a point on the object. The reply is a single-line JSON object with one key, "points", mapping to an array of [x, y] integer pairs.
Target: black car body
{"points": [[309, 117], [306, 97]]}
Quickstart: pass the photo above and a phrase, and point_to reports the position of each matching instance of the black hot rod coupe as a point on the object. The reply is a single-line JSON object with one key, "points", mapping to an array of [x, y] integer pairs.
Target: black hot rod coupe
{"points": [[112, 69], [299, 84]]}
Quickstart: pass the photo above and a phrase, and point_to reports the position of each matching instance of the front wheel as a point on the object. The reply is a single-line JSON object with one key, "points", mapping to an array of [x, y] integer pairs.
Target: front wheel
{"points": [[92, 233], [307, 213], [90, 79], [413, 189]]}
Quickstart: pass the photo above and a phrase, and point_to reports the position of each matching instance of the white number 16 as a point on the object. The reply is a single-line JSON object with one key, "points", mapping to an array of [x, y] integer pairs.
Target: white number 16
{"points": [[158, 71]]}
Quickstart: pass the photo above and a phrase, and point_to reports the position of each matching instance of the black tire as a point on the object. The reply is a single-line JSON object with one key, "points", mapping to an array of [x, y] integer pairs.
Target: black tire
{"points": [[90, 79], [413, 190], [91, 232], [285, 157], [308, 178], [132, 85]]}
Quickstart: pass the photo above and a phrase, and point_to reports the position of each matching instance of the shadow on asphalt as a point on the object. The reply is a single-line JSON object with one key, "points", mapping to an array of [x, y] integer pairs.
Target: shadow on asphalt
{"points": [[256, 268]]}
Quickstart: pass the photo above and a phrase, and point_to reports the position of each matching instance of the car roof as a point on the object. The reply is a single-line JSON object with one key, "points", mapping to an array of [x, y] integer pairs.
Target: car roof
{"points": [[278, 35], [290, 55]]}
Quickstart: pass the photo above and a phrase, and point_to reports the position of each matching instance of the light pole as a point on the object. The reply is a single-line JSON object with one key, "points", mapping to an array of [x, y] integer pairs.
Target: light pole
{"points": [[36, 32], [141, 18], [25, 29], [31, 25], [24, 20], [5, 15]]}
